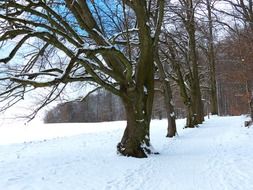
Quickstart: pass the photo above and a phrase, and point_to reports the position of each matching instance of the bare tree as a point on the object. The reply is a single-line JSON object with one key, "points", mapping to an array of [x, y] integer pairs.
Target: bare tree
{"points": [[109, 43], [211, 59], [167, 93], [179, 48]]}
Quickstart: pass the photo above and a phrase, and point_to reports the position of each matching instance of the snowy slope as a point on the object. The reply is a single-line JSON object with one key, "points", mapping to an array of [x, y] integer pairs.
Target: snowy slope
{"points": [[216, 156]]}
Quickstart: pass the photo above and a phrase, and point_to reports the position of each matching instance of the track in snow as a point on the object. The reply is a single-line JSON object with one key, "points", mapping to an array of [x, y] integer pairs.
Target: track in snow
{"points": [[209, 157], [216, 156]]}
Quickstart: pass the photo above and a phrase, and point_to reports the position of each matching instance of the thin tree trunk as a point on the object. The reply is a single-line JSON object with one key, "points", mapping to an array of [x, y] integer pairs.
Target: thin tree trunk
{"points": [[171, 117], [195, 83], [190, 117], [197, 104], [167, 92], [251, 107], [211, 59], [250, 99]]}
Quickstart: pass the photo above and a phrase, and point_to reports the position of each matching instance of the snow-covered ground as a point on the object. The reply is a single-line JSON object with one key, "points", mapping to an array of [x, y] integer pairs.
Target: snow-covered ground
{"points": [[216, 156]]}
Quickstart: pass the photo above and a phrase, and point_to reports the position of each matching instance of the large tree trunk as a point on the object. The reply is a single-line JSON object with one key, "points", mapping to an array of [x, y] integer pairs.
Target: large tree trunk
{"points": [[136, 139], [138, 103], [138, 97]]}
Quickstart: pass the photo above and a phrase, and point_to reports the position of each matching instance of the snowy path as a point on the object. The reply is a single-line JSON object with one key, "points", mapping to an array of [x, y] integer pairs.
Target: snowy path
{"points": [[216, 156]]}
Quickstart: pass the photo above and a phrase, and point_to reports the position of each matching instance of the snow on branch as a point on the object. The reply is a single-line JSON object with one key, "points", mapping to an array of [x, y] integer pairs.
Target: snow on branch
{"points": [[117, 35], [16, 48], [56, 81], [34, 75]]}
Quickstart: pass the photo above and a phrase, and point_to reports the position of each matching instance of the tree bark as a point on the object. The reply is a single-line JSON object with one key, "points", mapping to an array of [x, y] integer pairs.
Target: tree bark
{"points": [[250, 99], [211, 60], [197, 105], [194, 76], [171, 117], [136, 139], [190, 117], [251, 107], [167, 93]]}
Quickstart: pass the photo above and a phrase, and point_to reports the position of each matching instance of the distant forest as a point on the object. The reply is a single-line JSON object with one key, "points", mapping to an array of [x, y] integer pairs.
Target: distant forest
{"points": [[104, 106], [234, 81]]}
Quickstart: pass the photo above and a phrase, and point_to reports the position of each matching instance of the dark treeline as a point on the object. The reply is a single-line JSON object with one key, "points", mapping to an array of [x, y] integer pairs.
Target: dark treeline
{"points": [[101, 106]]}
